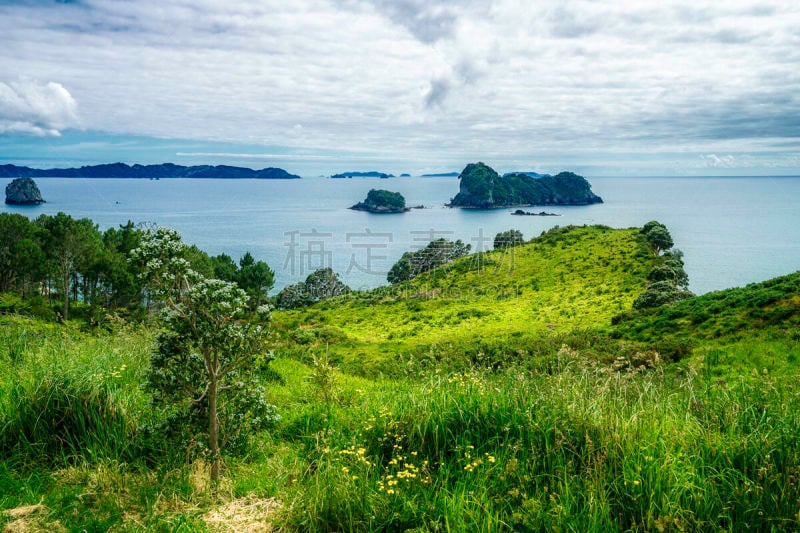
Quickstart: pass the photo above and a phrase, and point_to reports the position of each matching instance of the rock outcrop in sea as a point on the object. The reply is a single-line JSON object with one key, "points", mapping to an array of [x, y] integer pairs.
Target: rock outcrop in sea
{"points": [[23, 191], [382, 201], [483, 188]]}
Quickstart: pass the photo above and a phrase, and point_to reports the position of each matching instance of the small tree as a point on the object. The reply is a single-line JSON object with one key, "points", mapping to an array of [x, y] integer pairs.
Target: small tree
{"points": [[202, 364], [255, 278], [657, 236]]}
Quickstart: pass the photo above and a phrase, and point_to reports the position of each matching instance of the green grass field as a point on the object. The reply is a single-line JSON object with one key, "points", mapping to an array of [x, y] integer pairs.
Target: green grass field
{"points": [[565, 280], [515, 392]]}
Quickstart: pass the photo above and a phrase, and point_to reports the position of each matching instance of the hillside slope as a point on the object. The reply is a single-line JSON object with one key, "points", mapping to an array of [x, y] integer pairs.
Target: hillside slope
{"points": [[569, 278], [770, 305]]}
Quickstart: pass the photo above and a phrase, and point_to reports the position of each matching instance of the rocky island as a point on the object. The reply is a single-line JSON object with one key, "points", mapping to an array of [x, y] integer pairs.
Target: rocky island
{"points": [[370, 174], [520, 212], [164, 170], [483, 188], [23, 191], [382, 201]]}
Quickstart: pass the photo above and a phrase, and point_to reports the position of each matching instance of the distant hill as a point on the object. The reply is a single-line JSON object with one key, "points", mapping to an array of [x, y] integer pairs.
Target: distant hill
{"points": [[527, 173], [164, 170], [483, 188], [370, 174]]}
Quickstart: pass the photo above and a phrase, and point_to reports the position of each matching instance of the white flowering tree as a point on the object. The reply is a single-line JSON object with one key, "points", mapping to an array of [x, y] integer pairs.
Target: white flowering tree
{"points": [[201, 370]]}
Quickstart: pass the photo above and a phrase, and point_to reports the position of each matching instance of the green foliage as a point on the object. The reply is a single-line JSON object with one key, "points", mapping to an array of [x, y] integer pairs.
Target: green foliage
{"points": [[200, 371], [382, 198], [255, 278], [66, 397], [512, 406], [669, 282], [584, 449], [660, 293], [65, 416], [657, 236], [58, 258], [436, 254], [320, 285], [509, 238], [733, 312], [569, 278]]}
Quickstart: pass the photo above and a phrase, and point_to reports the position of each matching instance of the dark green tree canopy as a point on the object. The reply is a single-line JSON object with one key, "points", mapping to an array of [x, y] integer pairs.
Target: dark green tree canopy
{"points": [[321, 284], [668, 280], [657, 236]]}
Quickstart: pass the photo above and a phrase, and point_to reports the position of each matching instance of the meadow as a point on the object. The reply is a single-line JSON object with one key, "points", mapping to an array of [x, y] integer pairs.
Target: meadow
{"points": [[512, 391]]}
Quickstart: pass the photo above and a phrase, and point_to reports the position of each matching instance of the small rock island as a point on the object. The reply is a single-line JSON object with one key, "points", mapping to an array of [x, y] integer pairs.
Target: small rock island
{"points": [[23, 191], [520, 212], [382, 201], [483, 188], [370, 174]]}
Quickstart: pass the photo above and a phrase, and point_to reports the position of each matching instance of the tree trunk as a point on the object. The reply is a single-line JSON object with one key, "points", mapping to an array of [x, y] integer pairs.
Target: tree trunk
{"points": [[66, 298], [213, 429]]}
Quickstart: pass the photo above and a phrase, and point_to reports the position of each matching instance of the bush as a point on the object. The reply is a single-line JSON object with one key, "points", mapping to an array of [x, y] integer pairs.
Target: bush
{"points": [[509, 238], [660, 293], [437, 253], [320, 285]]}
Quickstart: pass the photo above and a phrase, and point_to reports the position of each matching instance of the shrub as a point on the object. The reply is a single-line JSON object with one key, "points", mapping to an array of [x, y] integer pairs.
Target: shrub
{"points": [[509, 238], [320, 285], [437, 253]]}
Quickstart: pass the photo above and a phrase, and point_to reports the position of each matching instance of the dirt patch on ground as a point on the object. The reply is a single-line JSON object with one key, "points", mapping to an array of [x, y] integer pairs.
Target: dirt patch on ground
{"points": [[29, 519], [246, 515]]}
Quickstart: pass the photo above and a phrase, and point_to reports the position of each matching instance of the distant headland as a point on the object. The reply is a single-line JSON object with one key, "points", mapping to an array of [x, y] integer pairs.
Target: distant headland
{"points": [[370, 174], [482, 188], [441, 175], [164, 170]]}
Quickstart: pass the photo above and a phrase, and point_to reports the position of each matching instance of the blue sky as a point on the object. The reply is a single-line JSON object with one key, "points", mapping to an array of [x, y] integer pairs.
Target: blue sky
{"points": [[322, 86]]}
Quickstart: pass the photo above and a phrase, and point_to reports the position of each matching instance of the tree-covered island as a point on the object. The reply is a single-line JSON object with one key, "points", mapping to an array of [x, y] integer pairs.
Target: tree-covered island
{"points": [[382, 201], [483, 188]]}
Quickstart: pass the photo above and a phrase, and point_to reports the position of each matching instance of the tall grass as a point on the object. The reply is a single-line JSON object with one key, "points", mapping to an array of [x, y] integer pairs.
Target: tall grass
{"points": [[582, 450], [66, 396]]}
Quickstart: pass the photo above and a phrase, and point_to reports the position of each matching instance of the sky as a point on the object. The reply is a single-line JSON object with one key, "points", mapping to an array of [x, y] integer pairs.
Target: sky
{"points": [[622, 88]]}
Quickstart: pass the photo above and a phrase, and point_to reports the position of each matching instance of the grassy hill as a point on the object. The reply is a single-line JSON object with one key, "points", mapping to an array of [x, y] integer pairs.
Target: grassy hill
{"points": [[567, 279], [773, 304], [513, 391], [730, 332]]}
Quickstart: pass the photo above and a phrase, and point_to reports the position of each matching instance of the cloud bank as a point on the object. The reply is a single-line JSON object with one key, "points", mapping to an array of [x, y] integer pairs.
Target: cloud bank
{"points": [[431, 82]]}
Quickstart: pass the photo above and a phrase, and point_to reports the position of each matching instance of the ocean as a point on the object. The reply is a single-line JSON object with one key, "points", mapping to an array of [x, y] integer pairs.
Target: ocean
{"points": [[733, 231]]}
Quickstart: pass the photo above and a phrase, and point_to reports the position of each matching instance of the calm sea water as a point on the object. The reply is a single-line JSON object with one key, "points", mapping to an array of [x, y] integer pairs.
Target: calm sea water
{"points": [[733, 231]]}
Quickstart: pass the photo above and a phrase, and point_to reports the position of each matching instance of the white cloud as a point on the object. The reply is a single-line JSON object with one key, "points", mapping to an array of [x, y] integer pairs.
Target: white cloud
{"points": [[427, 81], [29, 107]]}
